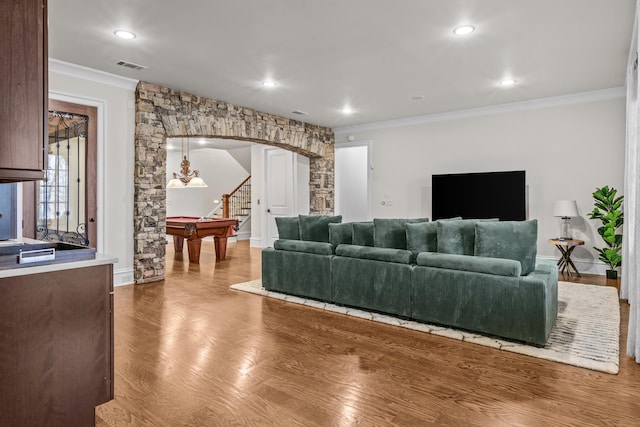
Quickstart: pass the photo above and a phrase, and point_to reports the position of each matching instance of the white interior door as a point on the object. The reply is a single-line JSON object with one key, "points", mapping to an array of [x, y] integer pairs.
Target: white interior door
{"points": [[278, 188], [353, 181]]}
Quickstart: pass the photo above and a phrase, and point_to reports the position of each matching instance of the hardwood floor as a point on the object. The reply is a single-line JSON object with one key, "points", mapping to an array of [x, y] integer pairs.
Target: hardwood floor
{"points": [[191, 352]]}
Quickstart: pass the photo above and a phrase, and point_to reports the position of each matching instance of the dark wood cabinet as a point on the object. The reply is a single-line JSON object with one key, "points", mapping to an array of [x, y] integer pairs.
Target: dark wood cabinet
{"points": [[56, 346], [23, 89]]}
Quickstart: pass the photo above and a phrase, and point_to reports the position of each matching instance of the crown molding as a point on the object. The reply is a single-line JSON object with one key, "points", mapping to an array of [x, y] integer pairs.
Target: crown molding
{"points": [[91, 74], [576, 98]]}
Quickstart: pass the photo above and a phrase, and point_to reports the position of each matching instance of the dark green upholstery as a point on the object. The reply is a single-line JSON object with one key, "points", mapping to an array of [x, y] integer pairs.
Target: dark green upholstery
{"points": [[391, 232], [422, 237], [363, 233], [499, 267], [372, 285], [316, 227], [486, 294], [520, 308], [288, 227], [378, 254], [341, 233], [515, 240], [319, 248], [458, 236], [297, 273]]}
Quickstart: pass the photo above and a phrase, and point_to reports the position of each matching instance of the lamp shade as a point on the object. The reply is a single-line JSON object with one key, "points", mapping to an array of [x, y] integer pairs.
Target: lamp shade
{"points": [[175, 183], [565, 208], [196, 182]]}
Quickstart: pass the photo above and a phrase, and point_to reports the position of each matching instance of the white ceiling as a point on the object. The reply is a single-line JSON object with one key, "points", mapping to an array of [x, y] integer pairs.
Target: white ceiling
{"points": [[373, 55]]}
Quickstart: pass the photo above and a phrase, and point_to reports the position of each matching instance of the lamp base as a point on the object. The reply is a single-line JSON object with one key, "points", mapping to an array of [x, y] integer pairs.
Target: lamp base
{"points": [[566, 228]]}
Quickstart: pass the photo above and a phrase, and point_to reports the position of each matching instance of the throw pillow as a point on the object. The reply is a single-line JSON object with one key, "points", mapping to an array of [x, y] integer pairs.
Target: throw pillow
{"points": [[340, 233], [515, 240], [288, 227], [363, 233], [315, 228], [392, 232], [458, 236], [423, 236]]}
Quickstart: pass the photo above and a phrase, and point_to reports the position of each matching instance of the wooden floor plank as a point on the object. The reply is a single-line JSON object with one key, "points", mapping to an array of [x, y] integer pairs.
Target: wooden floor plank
{"points": [[190, 351]]}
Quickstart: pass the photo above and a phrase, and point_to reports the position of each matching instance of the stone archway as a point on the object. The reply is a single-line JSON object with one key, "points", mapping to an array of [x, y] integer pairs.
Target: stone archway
{"points": [[162, 112]]}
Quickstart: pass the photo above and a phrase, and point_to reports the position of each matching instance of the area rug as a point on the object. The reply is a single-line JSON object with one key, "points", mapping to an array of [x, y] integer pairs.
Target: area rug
{"points": [[586, 333]]}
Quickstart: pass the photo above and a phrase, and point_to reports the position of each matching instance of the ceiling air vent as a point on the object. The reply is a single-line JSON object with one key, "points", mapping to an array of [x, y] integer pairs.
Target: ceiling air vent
{"points": [[130, 65], [302, 113]]}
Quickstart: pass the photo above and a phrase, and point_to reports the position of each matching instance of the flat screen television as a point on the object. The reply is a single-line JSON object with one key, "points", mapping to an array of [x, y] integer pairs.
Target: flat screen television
{"points": [[480, 195]]}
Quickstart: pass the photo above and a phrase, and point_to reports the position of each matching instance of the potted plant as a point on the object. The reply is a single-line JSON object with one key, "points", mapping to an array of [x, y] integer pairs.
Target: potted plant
{"points": [[608, 210]]}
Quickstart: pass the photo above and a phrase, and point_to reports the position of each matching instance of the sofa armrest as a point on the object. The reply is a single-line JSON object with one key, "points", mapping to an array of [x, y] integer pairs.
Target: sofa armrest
{"points": [[399, 256], [309, 247], [477, 264]]}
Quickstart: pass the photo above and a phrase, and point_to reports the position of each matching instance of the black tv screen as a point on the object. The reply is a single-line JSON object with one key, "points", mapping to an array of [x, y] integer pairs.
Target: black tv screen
{"points": [[480, 195]]}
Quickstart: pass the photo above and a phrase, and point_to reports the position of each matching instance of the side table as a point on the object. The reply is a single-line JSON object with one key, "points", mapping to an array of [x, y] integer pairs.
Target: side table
{"points": [[566, 247]]}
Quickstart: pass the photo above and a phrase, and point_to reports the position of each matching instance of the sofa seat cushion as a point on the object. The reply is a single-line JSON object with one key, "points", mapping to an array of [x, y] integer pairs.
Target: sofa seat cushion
{"points": [[316, 227], [399, 256], [363, 233], [515, 240], [392, 232], [288, 227], [458, 237], [318, 248], [476, 264]]}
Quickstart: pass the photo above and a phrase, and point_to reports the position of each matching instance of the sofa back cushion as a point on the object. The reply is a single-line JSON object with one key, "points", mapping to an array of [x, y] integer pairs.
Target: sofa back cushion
{"points": [[515, 240], [392, 232], [318, 248], [340, 233], [397, 256], [458, 236], [315, 228], [288, 227], [363, 233]]}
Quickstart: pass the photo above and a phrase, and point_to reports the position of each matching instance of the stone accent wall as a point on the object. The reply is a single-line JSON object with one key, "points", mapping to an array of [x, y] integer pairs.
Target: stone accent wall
{"points": [[162, 112]]}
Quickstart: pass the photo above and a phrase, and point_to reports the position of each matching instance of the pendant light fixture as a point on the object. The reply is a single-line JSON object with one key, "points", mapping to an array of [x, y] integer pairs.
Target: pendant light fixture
{"points": [[186, 177]]}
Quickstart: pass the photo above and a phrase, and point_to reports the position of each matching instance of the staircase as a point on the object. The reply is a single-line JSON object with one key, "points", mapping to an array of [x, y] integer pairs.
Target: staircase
{"points": [[236, 204]]}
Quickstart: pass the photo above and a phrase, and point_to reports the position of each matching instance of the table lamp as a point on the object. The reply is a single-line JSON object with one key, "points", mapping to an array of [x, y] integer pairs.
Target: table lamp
{"points": [[565, 209]]}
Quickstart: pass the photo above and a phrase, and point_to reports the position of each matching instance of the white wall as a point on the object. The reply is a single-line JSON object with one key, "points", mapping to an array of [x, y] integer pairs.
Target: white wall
{"points": [[114, 98], [567, 150], [218, 169]]}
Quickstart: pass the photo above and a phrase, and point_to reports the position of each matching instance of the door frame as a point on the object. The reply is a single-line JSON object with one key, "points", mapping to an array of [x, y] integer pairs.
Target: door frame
{"points": [[28, 195]]}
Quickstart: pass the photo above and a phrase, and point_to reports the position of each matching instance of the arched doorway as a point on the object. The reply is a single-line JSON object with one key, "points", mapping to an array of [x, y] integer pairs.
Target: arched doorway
{"points": [[163, 112]]}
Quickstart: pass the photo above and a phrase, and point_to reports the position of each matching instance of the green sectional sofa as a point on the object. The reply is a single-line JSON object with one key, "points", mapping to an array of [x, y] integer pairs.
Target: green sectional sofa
{"points": [[477, 275]]}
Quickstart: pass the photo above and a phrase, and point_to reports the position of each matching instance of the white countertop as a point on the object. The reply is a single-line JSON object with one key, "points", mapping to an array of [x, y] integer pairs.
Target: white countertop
{"points": [[100, 259]]}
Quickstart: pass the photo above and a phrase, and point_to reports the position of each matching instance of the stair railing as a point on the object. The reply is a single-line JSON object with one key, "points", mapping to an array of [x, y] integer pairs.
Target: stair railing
{"points": [[238, 202]]}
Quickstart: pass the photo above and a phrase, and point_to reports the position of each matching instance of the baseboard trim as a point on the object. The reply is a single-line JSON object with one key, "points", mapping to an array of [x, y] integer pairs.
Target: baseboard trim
{"points": [[123, 276], [584, 266], [255, 242]]}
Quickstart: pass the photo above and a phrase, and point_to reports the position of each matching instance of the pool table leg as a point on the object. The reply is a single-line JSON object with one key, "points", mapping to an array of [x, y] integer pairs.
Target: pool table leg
{"points": [[220, 244], [177, 243], [193, 246]]}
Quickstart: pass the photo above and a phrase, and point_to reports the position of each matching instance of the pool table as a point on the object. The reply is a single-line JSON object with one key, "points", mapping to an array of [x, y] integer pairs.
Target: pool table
{"points": [[194, 229]]}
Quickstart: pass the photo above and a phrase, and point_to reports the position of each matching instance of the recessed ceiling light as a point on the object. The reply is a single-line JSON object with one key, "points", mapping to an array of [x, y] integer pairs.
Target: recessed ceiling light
{"points": [[347, 110], [417, 98], [463, 30], [202, 141], [124, 34], [269, 83], [507, 82]]}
